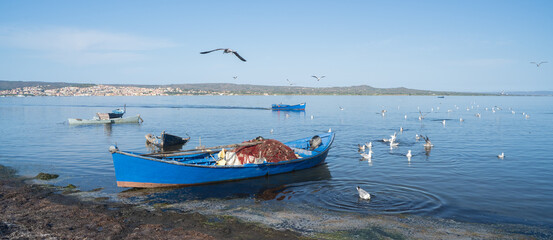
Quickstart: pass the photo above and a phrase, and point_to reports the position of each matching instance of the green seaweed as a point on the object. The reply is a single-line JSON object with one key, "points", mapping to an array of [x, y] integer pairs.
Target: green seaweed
{"points": [[46, 176]]}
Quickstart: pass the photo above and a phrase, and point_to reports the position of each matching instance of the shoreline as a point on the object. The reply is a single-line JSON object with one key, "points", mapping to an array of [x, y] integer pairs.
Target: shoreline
{"points": [[38, 211], [33, 211]]}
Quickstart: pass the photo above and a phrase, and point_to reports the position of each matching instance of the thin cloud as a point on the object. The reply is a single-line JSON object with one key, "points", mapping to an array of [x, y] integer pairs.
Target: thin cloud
{"points": [[82, 46]]}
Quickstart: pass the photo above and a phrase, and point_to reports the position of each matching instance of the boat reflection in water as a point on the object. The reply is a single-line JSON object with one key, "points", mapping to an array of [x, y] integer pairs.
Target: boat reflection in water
{"points": [[264, 188]]}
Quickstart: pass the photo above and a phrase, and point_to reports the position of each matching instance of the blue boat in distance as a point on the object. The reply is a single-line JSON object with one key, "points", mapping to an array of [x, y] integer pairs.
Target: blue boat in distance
{"points": [[286, 107], [118, 113], [199, 166]]}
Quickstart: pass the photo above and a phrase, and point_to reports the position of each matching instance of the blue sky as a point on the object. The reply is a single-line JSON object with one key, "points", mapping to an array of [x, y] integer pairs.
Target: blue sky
{"points": [[436, 45]]}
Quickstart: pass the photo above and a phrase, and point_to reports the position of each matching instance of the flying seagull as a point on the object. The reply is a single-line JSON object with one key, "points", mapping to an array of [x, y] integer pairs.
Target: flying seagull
{"points": [[235, 77], [226, 50], [538, 64], [318, 78], [289, 82]]}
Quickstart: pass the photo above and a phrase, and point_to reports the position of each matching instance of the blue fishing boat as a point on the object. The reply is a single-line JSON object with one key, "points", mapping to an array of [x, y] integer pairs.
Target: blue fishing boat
{"points": [[203, 166], [118, 113], [286, 107]]}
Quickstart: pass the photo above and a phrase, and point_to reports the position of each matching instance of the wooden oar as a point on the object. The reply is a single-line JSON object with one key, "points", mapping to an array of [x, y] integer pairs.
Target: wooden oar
{"points": [[200, 150]]}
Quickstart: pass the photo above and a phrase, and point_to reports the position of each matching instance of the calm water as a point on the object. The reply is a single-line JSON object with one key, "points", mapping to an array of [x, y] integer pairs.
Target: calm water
{"points": [[460, 178]]}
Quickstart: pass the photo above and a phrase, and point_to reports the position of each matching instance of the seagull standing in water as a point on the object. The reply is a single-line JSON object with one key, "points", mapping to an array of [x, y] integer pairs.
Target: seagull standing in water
{"points": [[409, 155], [318, 78], [363, 194], [226, 50]]}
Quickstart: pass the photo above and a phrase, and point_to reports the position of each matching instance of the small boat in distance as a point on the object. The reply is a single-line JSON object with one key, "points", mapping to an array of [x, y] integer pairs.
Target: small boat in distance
{"points": [[441, 96], [216, 164], [98, 120], [165, 140], [116, 116], [118, 113], [286, 107]]}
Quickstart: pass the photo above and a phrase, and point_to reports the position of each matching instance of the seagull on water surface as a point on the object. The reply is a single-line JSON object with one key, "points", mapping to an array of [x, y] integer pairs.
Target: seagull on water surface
{"points": [[226, 50], [409, 155], [393, 145], [538, 64], [318, 78], [369, 145], [361, 147], [501, 156], [427, 143], [367, 156], [363, 194]]}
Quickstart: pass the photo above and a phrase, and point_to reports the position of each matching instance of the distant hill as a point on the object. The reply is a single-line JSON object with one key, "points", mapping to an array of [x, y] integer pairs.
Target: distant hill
{"points": [[7, 85], [247, 89], [353, 90], [530, 93]]}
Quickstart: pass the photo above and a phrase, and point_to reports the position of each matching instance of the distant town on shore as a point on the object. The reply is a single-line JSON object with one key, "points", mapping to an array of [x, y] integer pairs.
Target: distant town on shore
{"points": [[27, 88]]}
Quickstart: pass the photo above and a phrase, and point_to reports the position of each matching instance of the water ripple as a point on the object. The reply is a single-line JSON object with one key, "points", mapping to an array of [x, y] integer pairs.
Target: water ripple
{"points": [[386, 198]]}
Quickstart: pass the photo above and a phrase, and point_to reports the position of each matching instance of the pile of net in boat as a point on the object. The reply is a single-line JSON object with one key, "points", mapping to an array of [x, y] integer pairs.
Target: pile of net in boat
{"points": [[269, 150]]}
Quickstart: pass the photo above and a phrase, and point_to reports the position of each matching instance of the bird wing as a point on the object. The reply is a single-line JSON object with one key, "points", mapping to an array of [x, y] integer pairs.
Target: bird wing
{"points": [[322, 76], [533, 62], [315, 77], [241, 58], [212, 50]]}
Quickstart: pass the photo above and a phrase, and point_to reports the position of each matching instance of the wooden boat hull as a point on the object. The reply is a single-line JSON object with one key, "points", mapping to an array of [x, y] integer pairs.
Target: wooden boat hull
{"points": [[286, 107], [134, 170], [77, 121]]}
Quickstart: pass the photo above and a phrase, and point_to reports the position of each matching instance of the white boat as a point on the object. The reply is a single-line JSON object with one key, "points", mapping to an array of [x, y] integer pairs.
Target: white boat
{"points": [[97, 120]]}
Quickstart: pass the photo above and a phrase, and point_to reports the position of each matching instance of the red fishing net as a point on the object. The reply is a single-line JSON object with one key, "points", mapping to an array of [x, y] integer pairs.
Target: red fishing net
{"points": [[272, 150]]}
